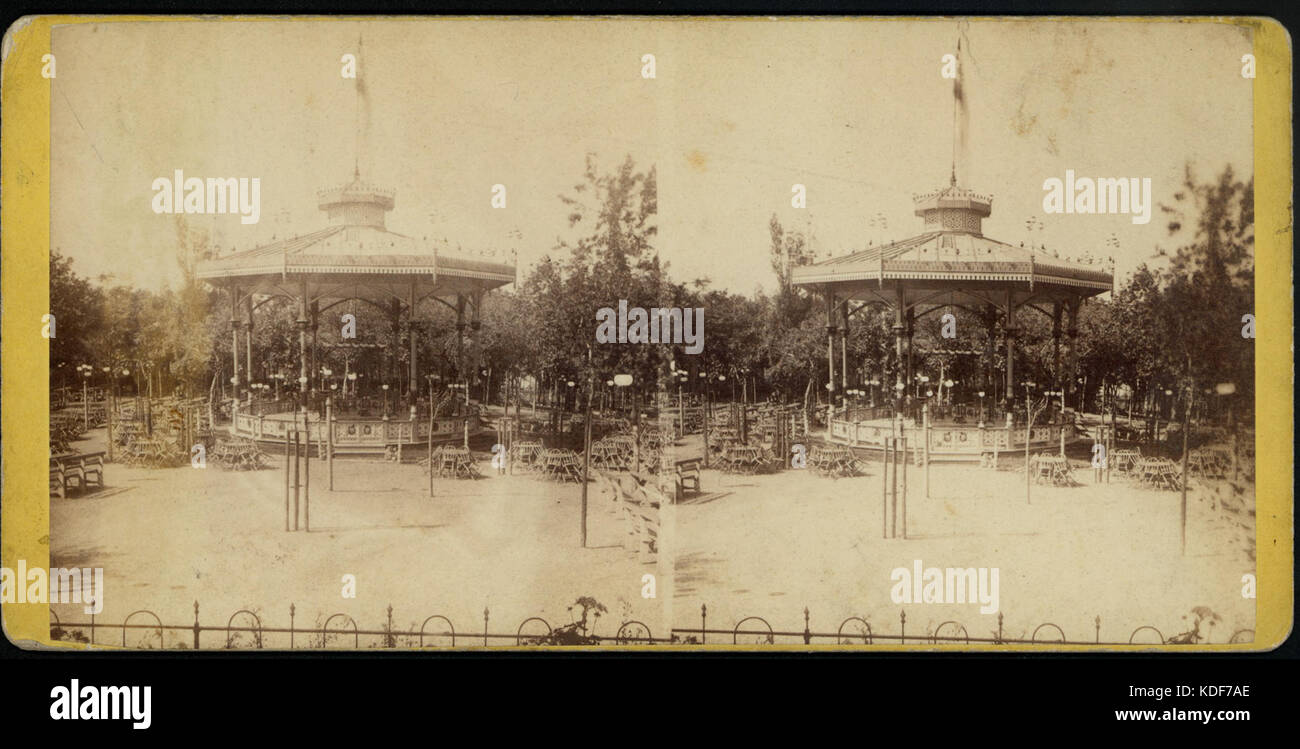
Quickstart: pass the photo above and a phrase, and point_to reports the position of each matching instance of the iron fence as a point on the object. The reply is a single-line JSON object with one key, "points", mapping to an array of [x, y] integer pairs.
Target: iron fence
{"points": [[856, 630], [246, 628]]}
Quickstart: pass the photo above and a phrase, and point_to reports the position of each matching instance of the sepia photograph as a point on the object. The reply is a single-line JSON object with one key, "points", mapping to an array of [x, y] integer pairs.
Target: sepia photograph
{"points": [[663, 333]]}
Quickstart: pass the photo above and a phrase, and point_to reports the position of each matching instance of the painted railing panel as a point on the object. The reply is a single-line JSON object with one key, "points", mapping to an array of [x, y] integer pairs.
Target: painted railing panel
{"points": [[353, 432], [947, 439]]}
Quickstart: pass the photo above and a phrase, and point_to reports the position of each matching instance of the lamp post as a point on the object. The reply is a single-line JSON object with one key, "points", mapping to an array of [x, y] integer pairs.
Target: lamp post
{"points": [[981, 394], [586, 442], [86, 370], [571, 398], [234, 405], [873, 382], [1187, 403], [1225, 390], [385, 389], [623, 381], [1029, 422], [1059, 394]]}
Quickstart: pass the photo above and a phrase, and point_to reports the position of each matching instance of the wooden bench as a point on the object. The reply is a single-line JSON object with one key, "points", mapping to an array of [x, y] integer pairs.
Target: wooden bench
{"points": [[83, 469], [689, 471]]}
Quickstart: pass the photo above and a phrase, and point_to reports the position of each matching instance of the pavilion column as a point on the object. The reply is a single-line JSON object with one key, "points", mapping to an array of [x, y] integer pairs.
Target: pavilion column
{"points": [[844, 352], [1056, 344], [1072, 358], [234, 340], [412, 381], [990, 341], [303, 323], [910, 320], [476, 324], [460, 334], [1009, 395], [899, 331], [395, 320], [248, 357], [248, 343], [830, 358], [315, 334]]}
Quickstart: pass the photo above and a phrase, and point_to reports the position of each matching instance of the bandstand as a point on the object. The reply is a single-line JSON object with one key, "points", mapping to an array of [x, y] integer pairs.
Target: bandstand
{"points": [[951, 265], [355, 257]]}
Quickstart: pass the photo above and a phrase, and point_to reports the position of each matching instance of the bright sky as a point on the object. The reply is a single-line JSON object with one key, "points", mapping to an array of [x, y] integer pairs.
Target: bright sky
{"points": [[739, 111]]}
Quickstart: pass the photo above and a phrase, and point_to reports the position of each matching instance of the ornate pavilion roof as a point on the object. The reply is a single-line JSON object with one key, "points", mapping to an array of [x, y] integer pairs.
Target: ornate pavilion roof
{"points": [[355, 256], [951, 260]]}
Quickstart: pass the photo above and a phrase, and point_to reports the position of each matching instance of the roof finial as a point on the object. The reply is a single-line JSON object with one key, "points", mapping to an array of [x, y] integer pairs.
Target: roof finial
{"points": [[959, 115]]}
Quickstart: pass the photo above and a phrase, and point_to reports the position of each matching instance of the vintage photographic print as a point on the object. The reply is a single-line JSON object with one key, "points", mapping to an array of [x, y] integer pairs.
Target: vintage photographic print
{"points": [[658, 333]]}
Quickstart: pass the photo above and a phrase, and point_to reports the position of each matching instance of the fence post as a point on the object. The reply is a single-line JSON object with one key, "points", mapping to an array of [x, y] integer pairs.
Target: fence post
{"points": [[999, 640], [306, 480], [884, 489], [291, 612], [902, 627], [392, 641], [1097, 624], [906, 460], [485, 626], [297, 476], [196, 625], [807, 633], [925, 458], [704, 621], [893, 492], [109, 412], [286, 481], [329, 439]]}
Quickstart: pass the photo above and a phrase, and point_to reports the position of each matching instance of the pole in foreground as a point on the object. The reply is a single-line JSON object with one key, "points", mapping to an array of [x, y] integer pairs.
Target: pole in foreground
{"points": [[286, 481], [329, 440], [893, 493], [431, 440], [1182, 512], [306, 491], [925, 458], [906, 456], [297, 485], [884, 490], [586, 450]]}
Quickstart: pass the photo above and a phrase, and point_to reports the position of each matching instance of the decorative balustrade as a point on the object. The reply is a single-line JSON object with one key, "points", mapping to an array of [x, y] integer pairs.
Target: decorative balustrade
{"points": [[959, 439], [351, 431]]}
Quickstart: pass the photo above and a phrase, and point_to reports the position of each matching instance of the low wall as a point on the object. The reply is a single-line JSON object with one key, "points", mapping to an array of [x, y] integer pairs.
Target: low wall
{"points": [[953, 440], [355, 432]]}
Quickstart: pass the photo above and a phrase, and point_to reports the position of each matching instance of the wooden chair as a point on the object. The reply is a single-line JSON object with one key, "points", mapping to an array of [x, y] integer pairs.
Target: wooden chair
{"points": [[58, 485], [92, 467], [73, 471], [688, 472]]}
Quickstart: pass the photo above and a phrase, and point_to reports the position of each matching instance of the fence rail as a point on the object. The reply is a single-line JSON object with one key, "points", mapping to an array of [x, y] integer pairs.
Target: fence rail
{"points": [[1047, 633], [337, 630], [749, 630]]}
